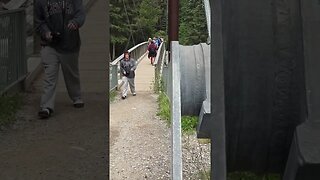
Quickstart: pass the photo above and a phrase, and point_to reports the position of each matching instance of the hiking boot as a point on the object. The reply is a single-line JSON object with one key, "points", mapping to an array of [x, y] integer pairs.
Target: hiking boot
{"points": [[134, 94], [78, 103], [44, 113], [123, 97]]}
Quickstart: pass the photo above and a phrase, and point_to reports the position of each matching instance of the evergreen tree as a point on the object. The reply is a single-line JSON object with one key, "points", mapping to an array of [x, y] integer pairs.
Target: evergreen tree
{"points": [[192, 25], [148, 16], [133, 21]]}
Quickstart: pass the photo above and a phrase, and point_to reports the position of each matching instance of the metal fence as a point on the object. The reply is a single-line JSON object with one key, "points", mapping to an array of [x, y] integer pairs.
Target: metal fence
{"points": [[137, 52], [13, 65]]}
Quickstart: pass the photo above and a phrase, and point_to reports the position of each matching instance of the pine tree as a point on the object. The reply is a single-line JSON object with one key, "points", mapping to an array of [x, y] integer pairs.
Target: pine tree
{"points": [[192, 25]]}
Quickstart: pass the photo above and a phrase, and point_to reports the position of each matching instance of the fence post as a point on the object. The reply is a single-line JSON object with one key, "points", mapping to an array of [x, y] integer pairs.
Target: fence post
{"points": [[176, 114]]}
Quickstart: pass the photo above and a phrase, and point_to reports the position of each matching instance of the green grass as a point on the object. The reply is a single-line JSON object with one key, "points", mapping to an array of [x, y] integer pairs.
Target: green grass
{"points": [[251, 176], [164, 107], [9, 105], [158, 86], [189, 123], [112, 96]]}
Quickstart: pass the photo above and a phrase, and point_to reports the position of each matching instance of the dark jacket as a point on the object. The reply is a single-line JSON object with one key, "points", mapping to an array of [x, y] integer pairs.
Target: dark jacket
{"points": [[54, 16], [152, 48], [128, 67]]}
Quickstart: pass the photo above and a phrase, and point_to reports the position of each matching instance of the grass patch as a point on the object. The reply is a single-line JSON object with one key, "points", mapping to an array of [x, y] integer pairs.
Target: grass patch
{"points": [[189, 123], [164, 107], [9, 105], [112, 95], [158, 85], [251, 176]]}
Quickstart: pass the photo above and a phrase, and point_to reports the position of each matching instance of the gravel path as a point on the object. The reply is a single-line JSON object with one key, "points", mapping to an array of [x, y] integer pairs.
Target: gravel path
{"points": [[196, 158], [140, 143], [139, 140]]}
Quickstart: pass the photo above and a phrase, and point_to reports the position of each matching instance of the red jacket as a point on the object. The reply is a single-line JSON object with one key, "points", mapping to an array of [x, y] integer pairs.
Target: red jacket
{"points": [[152, 46]]}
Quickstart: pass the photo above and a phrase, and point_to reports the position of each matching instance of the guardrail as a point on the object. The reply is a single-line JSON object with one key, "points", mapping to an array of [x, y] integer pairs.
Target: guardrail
{"points": [[137, 52], [13, 65], [158, 63]]}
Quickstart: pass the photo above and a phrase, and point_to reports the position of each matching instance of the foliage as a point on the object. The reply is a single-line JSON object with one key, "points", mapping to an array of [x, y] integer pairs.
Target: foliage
{"points": [[189, 123], [149, 12], [9, 105], [164, 107], [112, 96], [193, 27], [133, 21], [119, 29]]}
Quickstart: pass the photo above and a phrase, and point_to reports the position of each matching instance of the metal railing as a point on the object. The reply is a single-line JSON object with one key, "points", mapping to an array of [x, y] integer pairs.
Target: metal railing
{"points": [[137, 52], [158, 63], [13, 65]]}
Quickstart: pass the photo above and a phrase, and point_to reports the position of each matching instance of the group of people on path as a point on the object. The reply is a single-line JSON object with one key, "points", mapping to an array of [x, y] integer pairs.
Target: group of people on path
{"points": [[153, 46]]}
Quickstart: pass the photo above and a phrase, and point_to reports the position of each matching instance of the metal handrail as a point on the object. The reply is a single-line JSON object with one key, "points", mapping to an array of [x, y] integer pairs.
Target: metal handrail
{"points": [[114, 62], [158, 62], [159, 53]]}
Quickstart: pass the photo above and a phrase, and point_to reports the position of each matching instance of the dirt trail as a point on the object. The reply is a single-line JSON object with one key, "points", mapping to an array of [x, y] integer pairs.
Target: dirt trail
{"points": [[139, 140]]}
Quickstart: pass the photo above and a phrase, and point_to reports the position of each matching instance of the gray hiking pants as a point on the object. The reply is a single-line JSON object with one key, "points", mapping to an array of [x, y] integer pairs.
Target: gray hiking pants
{"points": [[51, 60], [127, 82]]}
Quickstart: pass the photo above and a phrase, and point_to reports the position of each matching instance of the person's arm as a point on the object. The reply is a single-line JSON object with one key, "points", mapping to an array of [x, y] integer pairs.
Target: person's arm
{"points": [[79, 15], [134, 67], [123, 71], [41, 26]]}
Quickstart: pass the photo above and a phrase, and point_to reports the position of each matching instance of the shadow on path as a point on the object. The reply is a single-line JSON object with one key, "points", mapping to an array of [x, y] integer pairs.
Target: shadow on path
{"points": [[73, 143]]}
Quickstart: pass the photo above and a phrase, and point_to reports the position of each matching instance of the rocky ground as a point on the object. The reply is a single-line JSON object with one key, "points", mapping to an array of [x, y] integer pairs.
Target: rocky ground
{"points": [[140, 142]]}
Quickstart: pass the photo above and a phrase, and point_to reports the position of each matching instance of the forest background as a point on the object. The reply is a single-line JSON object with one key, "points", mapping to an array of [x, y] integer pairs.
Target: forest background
{"points": [[134, 21]]}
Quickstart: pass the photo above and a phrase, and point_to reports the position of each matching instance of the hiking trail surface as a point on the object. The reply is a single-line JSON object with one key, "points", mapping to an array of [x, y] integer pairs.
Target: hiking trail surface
{"points": [[140, 146], [139, 140]]}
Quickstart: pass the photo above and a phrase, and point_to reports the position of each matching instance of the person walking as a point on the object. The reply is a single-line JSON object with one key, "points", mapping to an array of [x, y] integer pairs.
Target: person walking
{"points": [[152, 52], [127, 67], [57, 22], [149, 41]]}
